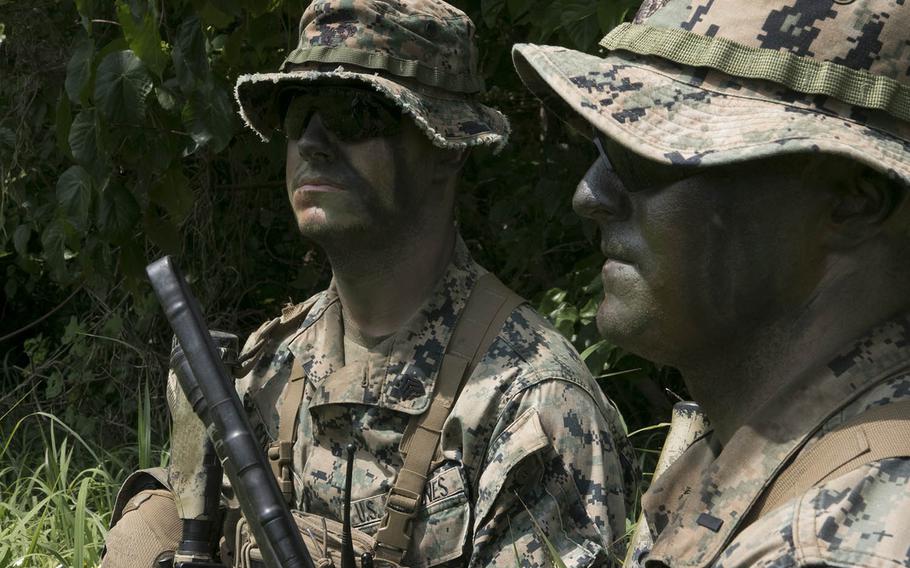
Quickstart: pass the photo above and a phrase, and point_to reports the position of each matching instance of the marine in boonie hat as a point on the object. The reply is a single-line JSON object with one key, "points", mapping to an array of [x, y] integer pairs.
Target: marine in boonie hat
{"points": [[421, 55], [751, 196], [707, 82]]}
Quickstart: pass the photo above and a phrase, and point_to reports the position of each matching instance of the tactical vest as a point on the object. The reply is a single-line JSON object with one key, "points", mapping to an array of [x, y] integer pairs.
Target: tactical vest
{"points": [[488, 306]]}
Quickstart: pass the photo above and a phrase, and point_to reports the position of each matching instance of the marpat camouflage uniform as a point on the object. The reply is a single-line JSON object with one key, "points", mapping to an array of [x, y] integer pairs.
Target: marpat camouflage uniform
{"points": [[531, 439], [859, 519], [711, 82]]}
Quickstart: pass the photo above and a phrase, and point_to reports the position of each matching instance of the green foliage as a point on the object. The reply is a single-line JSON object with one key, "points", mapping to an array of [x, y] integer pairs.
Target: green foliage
{"points": [[119, 142]]}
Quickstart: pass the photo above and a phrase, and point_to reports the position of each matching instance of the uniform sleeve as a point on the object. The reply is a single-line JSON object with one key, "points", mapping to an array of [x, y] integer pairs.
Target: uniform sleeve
{"points": [[552, 474], [858, 519]]}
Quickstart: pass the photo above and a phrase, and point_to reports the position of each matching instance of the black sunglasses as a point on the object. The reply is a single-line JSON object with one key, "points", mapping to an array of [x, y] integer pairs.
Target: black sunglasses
{"points": [[636, 172], [353, 115]]}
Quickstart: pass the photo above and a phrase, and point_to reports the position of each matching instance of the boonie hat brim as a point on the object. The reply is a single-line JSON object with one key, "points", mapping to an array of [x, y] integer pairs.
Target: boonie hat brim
{"points": [[451, 122], [672, 114]]}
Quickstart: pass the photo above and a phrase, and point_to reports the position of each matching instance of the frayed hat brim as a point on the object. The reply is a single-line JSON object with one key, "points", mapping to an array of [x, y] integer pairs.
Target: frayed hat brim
{"points": [[449, 122]]}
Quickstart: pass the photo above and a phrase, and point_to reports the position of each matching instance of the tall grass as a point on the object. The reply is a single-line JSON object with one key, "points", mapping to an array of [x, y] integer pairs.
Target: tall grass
{"points": [[57, 490]]}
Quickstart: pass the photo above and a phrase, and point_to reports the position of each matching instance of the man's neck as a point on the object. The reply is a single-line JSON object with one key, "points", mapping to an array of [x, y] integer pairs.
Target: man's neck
{"points": [[740, 377], [382, 288]]}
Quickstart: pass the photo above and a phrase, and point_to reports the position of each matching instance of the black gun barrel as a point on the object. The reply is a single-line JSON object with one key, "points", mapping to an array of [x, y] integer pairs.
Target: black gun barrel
{"points": [[244, 462]]}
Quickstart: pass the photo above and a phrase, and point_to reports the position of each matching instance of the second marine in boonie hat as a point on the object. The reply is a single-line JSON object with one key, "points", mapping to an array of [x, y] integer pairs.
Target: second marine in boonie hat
{"points": [[709, 82], [420, 54]]}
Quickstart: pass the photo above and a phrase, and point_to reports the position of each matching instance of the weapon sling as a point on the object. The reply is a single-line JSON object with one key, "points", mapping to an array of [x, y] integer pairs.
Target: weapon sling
{"points": [[488, 306]]}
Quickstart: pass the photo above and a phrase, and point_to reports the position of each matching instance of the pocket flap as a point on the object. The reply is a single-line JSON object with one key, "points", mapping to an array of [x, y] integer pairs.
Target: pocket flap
{"points": [[508, 457]]}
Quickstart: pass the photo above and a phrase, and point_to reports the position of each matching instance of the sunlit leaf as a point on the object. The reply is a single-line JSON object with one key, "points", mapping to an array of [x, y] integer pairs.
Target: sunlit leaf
{"points": [[141, 33], [74, 194], [579, 19], [121, 85]]}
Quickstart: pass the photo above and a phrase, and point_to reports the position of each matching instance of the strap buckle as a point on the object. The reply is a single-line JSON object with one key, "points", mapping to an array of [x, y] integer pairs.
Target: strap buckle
{"points": [[280, 458]]}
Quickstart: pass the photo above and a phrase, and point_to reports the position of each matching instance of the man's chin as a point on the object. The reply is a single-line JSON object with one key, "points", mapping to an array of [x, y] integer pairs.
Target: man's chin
{"points": [[625, 326], [323, 230]]}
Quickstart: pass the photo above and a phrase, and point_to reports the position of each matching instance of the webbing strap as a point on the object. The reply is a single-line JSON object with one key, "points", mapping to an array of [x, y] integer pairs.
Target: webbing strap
{"points": [[487, 308], [802, 74], [879, 433], [280, 452]]}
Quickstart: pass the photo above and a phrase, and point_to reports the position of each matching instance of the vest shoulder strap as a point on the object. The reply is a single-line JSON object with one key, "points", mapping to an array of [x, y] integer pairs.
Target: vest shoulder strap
{"points": [[880, 433], [480, 321]]}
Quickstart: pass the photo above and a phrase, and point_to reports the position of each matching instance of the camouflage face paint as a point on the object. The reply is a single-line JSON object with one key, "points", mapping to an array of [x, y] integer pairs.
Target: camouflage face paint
{"points": [[705, 251]]}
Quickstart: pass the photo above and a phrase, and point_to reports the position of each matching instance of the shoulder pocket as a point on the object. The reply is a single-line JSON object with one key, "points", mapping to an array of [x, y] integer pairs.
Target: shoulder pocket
{"points": [[443, 524], [512, 456]]}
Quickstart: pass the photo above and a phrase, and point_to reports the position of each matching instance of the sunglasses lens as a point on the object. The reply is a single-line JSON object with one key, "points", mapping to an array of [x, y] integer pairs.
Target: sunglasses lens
{"points": [[349, 114]]}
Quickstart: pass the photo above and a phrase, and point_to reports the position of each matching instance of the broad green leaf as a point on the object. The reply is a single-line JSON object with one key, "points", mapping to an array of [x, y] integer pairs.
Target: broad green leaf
{"points": [[63, 120], [209, 118], [121, 85], [21, 236], [52, 241], [611, 14], [165, 98], [88, 9], [118, 213], [190, 62], [74, 194], [82, 138], [579, 19], [79, 71], [172, 191], [141, 33]]}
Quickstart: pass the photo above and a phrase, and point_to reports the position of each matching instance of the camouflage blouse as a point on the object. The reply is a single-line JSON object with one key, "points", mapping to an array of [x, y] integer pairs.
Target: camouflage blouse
{"points": [[531, 444], [699, 509]]}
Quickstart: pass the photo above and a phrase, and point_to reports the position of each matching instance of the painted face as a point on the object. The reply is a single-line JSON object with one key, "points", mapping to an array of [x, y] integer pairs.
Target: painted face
{"points": [[362, 177], [697, 257]]}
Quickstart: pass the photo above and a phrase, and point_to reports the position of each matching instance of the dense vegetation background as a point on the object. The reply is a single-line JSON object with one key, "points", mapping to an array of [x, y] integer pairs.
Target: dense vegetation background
{"points": [[119, 142]]}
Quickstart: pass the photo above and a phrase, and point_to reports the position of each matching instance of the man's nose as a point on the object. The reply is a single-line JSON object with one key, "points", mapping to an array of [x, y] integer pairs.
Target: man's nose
{"points": [[601, 195], [315, 143]]}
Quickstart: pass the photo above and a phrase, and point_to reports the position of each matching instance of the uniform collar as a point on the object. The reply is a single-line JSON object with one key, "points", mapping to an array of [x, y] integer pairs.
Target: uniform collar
{"points": [[699, 503], [400, 373]]}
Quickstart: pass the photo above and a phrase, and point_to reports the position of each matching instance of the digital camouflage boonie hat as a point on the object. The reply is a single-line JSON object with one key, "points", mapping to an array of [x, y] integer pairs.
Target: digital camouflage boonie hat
{"points": [[720, 81], [420, 54]]}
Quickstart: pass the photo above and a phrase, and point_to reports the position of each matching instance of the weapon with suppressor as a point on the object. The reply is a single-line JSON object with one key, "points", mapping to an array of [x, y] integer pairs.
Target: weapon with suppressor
{"points": [[220, 408]]}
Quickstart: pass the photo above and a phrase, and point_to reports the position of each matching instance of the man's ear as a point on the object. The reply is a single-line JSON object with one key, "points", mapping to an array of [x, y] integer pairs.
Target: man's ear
{"points": [[864, 201]]}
